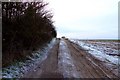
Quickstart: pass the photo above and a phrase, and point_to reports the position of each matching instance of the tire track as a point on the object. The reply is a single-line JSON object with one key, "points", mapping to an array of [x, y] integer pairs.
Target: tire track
{"points": [[93, 68]]}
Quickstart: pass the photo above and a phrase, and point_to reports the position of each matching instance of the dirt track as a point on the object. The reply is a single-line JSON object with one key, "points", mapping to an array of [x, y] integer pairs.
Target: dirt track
{"points": [[68, 60]]}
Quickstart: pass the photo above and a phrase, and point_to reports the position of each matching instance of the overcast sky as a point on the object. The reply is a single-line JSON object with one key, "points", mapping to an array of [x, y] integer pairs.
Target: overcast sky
{"points": [[86, 19]]}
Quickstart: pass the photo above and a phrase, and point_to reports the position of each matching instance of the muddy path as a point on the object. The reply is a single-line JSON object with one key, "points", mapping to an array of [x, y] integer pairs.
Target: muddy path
{"points": [[87, 65], [49, 67], [68, 60]]}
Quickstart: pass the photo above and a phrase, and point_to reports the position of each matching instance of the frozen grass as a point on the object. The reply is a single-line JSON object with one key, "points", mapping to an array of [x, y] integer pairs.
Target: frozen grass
{"points": [[18, 69]]}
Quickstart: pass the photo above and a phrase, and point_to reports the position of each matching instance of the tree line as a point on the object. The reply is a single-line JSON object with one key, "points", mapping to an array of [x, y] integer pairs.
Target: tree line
{"points": [[25, 26]]}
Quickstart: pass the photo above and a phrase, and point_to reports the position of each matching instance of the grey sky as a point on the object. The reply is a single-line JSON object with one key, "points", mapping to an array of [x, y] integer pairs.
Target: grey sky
{"points": [[86, 19]]}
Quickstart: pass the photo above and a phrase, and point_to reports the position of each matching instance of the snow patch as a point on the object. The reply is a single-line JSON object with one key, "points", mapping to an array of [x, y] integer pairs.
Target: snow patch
{"points": [[99, 51]]}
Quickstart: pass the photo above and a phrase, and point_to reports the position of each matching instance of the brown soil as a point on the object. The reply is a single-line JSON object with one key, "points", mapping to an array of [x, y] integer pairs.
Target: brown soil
{"points": [[86, 65], [48, 68]]}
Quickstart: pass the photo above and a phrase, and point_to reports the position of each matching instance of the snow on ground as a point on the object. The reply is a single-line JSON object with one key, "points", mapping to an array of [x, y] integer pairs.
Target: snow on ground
{"points": [[18, 69], [101, 50], [65, 62]]}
